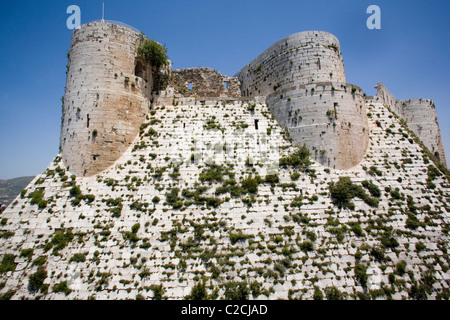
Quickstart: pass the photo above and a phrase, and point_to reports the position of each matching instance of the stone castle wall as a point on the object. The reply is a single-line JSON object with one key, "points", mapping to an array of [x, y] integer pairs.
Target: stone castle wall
{"points": [[106, 98]]}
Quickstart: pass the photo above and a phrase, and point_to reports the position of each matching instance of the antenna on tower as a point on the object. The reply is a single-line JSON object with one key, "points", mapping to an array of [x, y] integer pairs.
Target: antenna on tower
{"points": [[103, 11]]}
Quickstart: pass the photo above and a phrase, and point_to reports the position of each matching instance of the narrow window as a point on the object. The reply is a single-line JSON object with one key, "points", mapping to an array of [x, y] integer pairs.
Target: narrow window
{"points": [[88, 120], [256, 124], [225, 84], [335, 110], [190, 86]]}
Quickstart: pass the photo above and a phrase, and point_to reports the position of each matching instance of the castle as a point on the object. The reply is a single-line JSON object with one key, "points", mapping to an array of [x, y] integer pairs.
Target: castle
{"points": [[147, 201], [302, 78]]}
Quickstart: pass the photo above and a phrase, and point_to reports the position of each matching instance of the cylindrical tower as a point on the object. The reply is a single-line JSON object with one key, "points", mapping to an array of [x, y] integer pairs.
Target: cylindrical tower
{"points": [[303, 79], [301, 58], [420, 115], [106, 99]]}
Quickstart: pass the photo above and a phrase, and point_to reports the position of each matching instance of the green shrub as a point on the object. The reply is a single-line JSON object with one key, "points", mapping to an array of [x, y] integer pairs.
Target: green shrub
{"points": [[153, 52], [306, 246], [333, 293], [75, 191], [400, 268], [6, 234], [8, 263], [158, 291], [420, 246], [60, 240], [40, 261], [373, 189], [356, 228], [37, 198], [412, 222], [115, 206], [214, 173], [361, 274], [299, 158], [238, 236], [62, 287], [272, 179], [78, 257], [198, 292], [389, 241], [250, 185], [344, 190], [236, 291], [7, 295], [318, 295], [378, 253], [173, 199], [135, 228], [27, 253], [295, 176], [374, 171], [36, 280]]}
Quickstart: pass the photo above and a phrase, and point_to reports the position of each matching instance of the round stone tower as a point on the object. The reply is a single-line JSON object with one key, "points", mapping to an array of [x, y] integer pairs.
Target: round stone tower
{"points": [[301, 58], [107, 96], [303, 79]]}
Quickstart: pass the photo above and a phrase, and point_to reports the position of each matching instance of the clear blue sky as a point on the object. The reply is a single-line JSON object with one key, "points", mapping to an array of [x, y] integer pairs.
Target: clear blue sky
{"points": [[410, 54]]}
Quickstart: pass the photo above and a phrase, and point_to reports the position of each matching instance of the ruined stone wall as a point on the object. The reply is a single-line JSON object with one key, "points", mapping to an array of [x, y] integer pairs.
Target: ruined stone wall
{"points": [[204, 82], [329, 118], [420, 115], [105, 101], [301, 58]]}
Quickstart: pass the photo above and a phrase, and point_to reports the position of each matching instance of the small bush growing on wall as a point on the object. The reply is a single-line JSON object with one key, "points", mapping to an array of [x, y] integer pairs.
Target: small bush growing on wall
{"points": [[153, 52]]}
